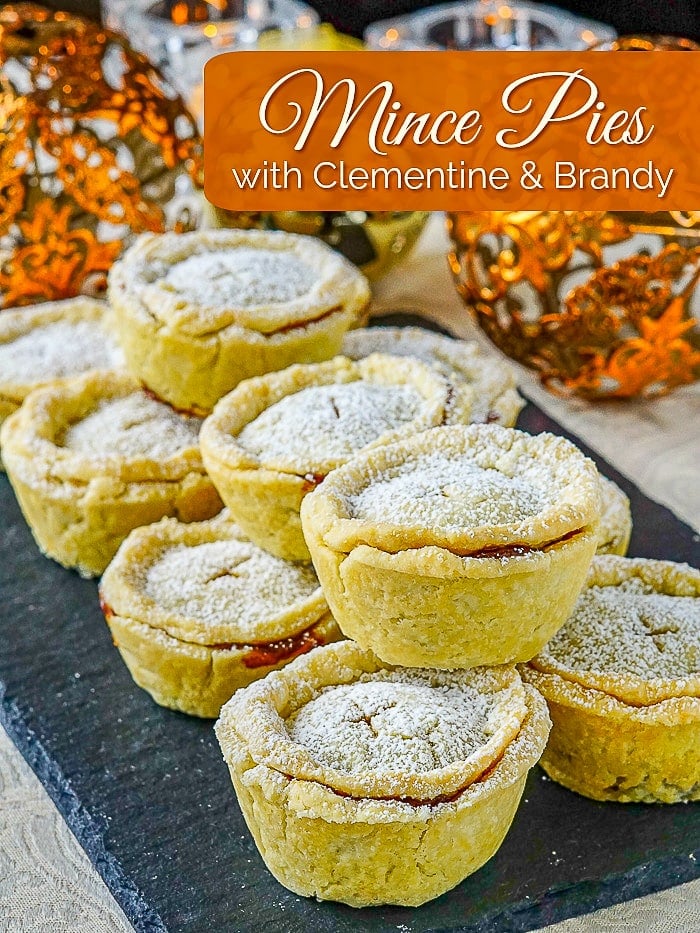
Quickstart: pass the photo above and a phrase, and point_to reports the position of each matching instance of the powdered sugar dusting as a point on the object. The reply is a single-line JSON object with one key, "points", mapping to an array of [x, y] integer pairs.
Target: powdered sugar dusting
{"points": [[133, 427], [240, 278], [58, 350], [333, 421], [632, 629], [452, 358], [450, 493], [227, 582], [394, 721]]}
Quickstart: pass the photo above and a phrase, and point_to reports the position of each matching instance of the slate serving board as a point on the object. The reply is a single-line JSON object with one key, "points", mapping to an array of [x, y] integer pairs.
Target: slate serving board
{"points": [[148, 796]]}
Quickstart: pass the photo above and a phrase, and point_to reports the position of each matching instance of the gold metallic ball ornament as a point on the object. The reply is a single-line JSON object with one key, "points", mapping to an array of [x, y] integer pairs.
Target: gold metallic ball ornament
{"points": [[374, 241], [603, 305], [95, 146]]}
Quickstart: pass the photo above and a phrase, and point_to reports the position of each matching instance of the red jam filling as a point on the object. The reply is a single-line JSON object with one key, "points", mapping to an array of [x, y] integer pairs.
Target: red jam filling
{"points": [[504, 550], [312, 480], [107, 610], [273, 652], [431, 801], [265, 655], [499, 551]]}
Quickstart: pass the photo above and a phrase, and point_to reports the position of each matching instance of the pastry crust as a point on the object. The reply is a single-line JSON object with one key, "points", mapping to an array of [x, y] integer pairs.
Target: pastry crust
{"points": [[496, 397], [622, 680], [462, 546], [265, 459], [81, 500], [432, 769], [197, 313], [51, 341], [615, 527], [197, 612]]}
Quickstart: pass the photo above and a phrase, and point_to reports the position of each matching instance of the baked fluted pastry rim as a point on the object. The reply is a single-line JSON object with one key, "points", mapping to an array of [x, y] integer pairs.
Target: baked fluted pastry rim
{"points": [[255, 718], [19, 322], [442, 402], [31, 434], [339, 287], [124, 597], [309, 799], [491, 378], [615, 528], [577, 510]]}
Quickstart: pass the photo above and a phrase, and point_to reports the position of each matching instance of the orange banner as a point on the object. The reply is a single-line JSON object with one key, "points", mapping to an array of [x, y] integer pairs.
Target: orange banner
{"points": [[452, 130]]}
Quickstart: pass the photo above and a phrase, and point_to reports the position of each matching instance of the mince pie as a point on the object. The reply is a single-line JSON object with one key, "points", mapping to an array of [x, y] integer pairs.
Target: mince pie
{"points": [[622, 680], [199, 312], [465, 545], [92, 457], [368, 784], [197, 611], [275, 438]]}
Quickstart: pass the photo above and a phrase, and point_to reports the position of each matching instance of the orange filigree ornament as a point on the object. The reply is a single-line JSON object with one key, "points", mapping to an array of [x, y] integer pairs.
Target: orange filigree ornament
{"points": [[95, 146], [550, 289]]}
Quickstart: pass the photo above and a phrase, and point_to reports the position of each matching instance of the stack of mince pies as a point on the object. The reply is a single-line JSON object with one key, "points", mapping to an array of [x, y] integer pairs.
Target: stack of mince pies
{"points": [[334, 539], [275, 438]]}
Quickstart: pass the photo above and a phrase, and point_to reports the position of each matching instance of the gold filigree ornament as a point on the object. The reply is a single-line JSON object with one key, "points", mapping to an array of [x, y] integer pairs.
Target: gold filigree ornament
{"points": [[95, 146], [602, 304]]}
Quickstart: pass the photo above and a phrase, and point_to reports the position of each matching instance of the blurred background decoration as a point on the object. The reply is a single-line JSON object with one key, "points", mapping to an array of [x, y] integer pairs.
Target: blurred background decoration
{"points": [[321, 37], [487, 25], [374, 240], [669, 17], [675, 17], [647, 44], [95, 146], [602, 305], [180, 36]]}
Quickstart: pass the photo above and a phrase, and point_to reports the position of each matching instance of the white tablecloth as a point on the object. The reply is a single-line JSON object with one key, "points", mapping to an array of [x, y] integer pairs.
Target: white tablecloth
{"points": [[46, 881]]}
